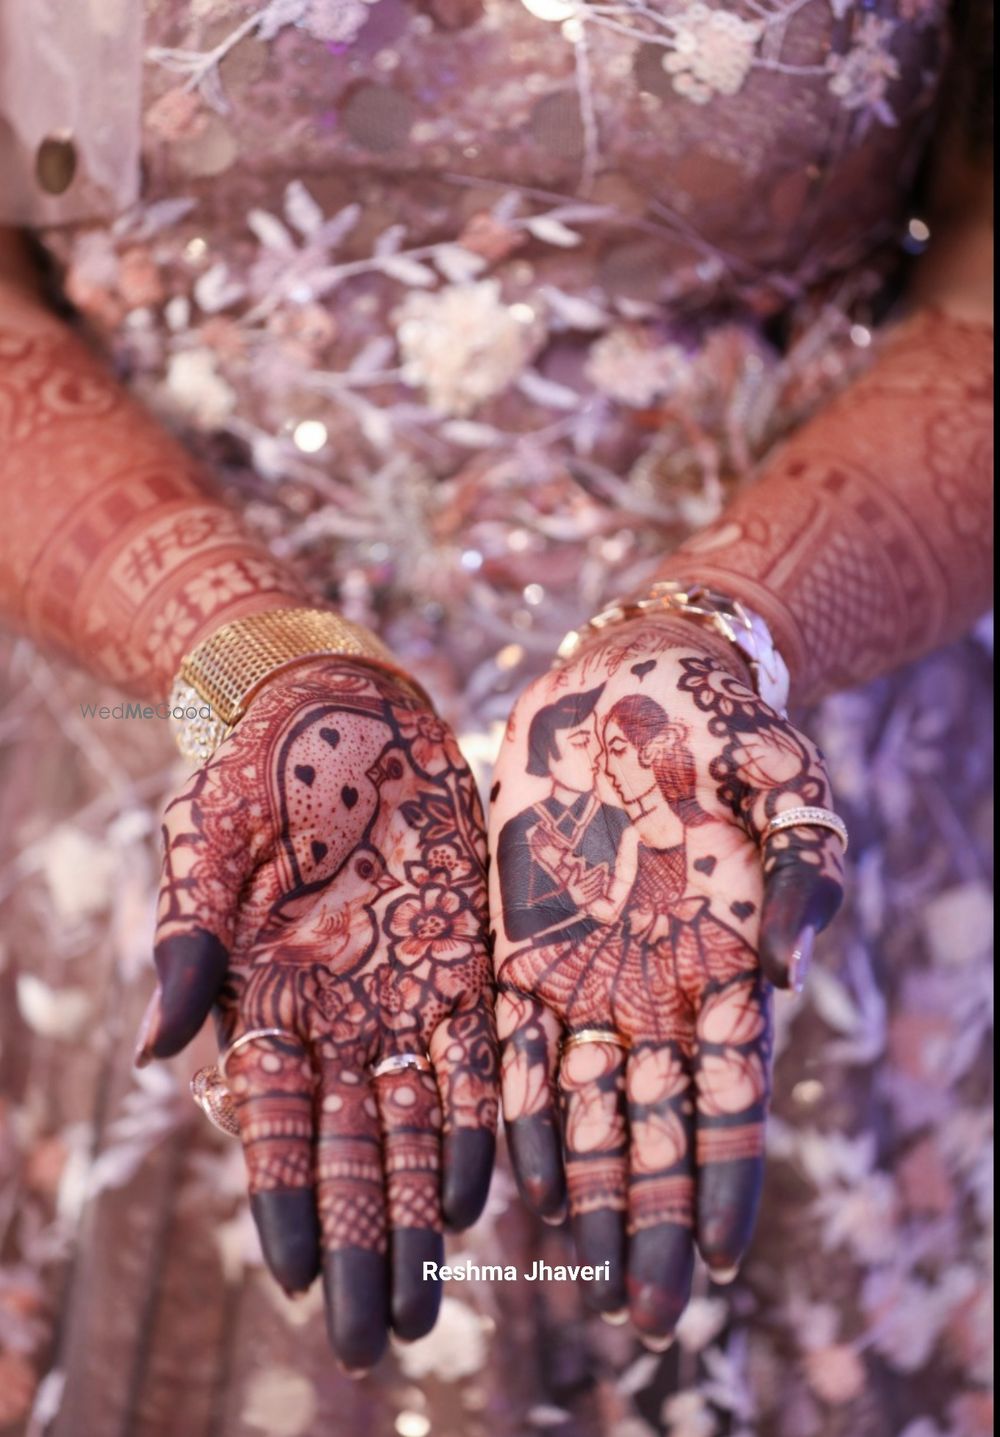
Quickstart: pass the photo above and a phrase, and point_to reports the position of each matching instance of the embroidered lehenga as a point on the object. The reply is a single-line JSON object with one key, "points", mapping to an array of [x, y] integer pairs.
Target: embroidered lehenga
{"points": [[475, 307]]}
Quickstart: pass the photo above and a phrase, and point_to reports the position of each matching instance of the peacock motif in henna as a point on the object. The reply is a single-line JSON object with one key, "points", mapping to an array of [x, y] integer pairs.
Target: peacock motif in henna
{"points": [[324, 874], [633, 901]]}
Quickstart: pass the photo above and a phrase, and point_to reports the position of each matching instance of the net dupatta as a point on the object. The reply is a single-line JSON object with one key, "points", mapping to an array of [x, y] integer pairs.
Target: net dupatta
{"points": [[70, 75]]}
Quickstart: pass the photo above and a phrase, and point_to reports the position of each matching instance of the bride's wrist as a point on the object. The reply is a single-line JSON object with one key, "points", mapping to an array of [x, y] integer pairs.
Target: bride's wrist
{"points": [[229, 667], [688, 614], [695, 638]]}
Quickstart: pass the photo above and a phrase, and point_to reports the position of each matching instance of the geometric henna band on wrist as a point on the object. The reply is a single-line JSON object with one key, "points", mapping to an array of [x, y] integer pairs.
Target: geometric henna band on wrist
{"points": [[210, 1086], [219, 677], [806, 816]]}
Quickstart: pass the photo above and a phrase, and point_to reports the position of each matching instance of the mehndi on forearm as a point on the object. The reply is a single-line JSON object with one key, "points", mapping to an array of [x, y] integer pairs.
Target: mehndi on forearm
{"points": [[866, 541], [112, 550]]}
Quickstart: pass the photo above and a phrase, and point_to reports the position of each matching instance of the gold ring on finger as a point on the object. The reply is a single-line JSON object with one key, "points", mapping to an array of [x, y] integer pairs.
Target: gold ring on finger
{"points": [[807, 816], [399, 1063], [596, 1035]]}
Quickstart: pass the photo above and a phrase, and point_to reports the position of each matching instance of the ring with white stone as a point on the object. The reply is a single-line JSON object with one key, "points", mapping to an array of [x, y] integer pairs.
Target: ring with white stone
{"points": [[399, 1063], [807, 817], [210, 1087]]}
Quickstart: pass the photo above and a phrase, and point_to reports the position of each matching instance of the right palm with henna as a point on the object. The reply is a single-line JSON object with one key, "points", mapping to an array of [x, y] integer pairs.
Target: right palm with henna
{"points": [[324, 874]]}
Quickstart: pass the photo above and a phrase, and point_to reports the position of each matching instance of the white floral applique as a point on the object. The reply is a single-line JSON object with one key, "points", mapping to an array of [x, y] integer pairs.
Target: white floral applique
{"points": [[463, 344], [336, 22], [861, 77], [630, 368], [713, 52]]}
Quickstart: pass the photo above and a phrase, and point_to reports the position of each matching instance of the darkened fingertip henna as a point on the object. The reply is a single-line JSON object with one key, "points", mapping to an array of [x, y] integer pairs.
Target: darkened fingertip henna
{"points": [[356, 1288], [191, 968], [795, 898], [728, 1199], [288, 1226], [536, 1155], [660, 1270], [468, 1168], [600, 1243], [416, 1298]]}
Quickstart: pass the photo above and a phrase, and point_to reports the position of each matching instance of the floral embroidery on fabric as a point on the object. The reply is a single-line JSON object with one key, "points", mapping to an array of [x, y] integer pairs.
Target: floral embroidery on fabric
{"points": [[861, 77], [713, 52], [463, 344], [473, 383]]}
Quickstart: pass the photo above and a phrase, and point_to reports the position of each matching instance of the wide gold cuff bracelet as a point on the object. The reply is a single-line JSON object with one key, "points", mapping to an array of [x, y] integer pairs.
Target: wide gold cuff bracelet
{"points": [[218, 678]]}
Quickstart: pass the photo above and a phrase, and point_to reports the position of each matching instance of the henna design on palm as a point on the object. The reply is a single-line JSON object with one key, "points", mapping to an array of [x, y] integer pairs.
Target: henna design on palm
{"points": [[631, 895], [324, 873]]}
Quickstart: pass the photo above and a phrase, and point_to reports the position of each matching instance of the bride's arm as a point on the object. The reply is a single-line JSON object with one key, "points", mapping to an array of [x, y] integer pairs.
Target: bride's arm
{"points": [[866, 540], [112, 548]]}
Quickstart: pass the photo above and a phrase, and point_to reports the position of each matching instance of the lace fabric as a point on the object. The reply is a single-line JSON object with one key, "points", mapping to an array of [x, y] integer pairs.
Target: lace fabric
{"points": [[476, 308]]}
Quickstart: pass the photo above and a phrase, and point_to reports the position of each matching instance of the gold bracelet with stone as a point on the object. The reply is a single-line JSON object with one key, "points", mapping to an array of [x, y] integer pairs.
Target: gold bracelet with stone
{"points": [[218, 678]]}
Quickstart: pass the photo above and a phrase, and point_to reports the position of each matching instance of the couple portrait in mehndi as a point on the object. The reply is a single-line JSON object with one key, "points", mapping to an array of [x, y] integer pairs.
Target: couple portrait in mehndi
{"points": [[630, 903]]}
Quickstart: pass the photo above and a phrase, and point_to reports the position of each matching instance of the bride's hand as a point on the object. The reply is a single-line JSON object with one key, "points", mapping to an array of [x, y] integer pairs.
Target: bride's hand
{"points": [[651, 754], [324, 874]]}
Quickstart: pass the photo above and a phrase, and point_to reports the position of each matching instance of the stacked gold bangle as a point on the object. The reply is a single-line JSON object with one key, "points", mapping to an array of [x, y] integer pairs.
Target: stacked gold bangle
{"points": [[217, 679], [732, 619]]}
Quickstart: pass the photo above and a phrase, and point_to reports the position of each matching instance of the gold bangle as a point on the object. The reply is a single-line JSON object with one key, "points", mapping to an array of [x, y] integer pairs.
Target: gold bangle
{"points": [[217, 679]]}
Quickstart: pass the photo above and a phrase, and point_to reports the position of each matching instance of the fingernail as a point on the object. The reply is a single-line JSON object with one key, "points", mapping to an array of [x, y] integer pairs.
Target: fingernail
{"points": [[554, 1219], [615, 1319], [356, 1373], [798, 964], [149, 1030], [723, 1276], [657, 1344]]}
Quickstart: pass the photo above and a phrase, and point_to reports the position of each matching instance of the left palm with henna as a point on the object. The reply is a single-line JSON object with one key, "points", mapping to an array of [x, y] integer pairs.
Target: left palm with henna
{"points": [[324, 874], [630, 895]]}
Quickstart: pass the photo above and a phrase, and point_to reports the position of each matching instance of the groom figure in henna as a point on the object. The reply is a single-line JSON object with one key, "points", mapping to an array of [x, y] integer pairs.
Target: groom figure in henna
{"points": [[572, 827]]}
